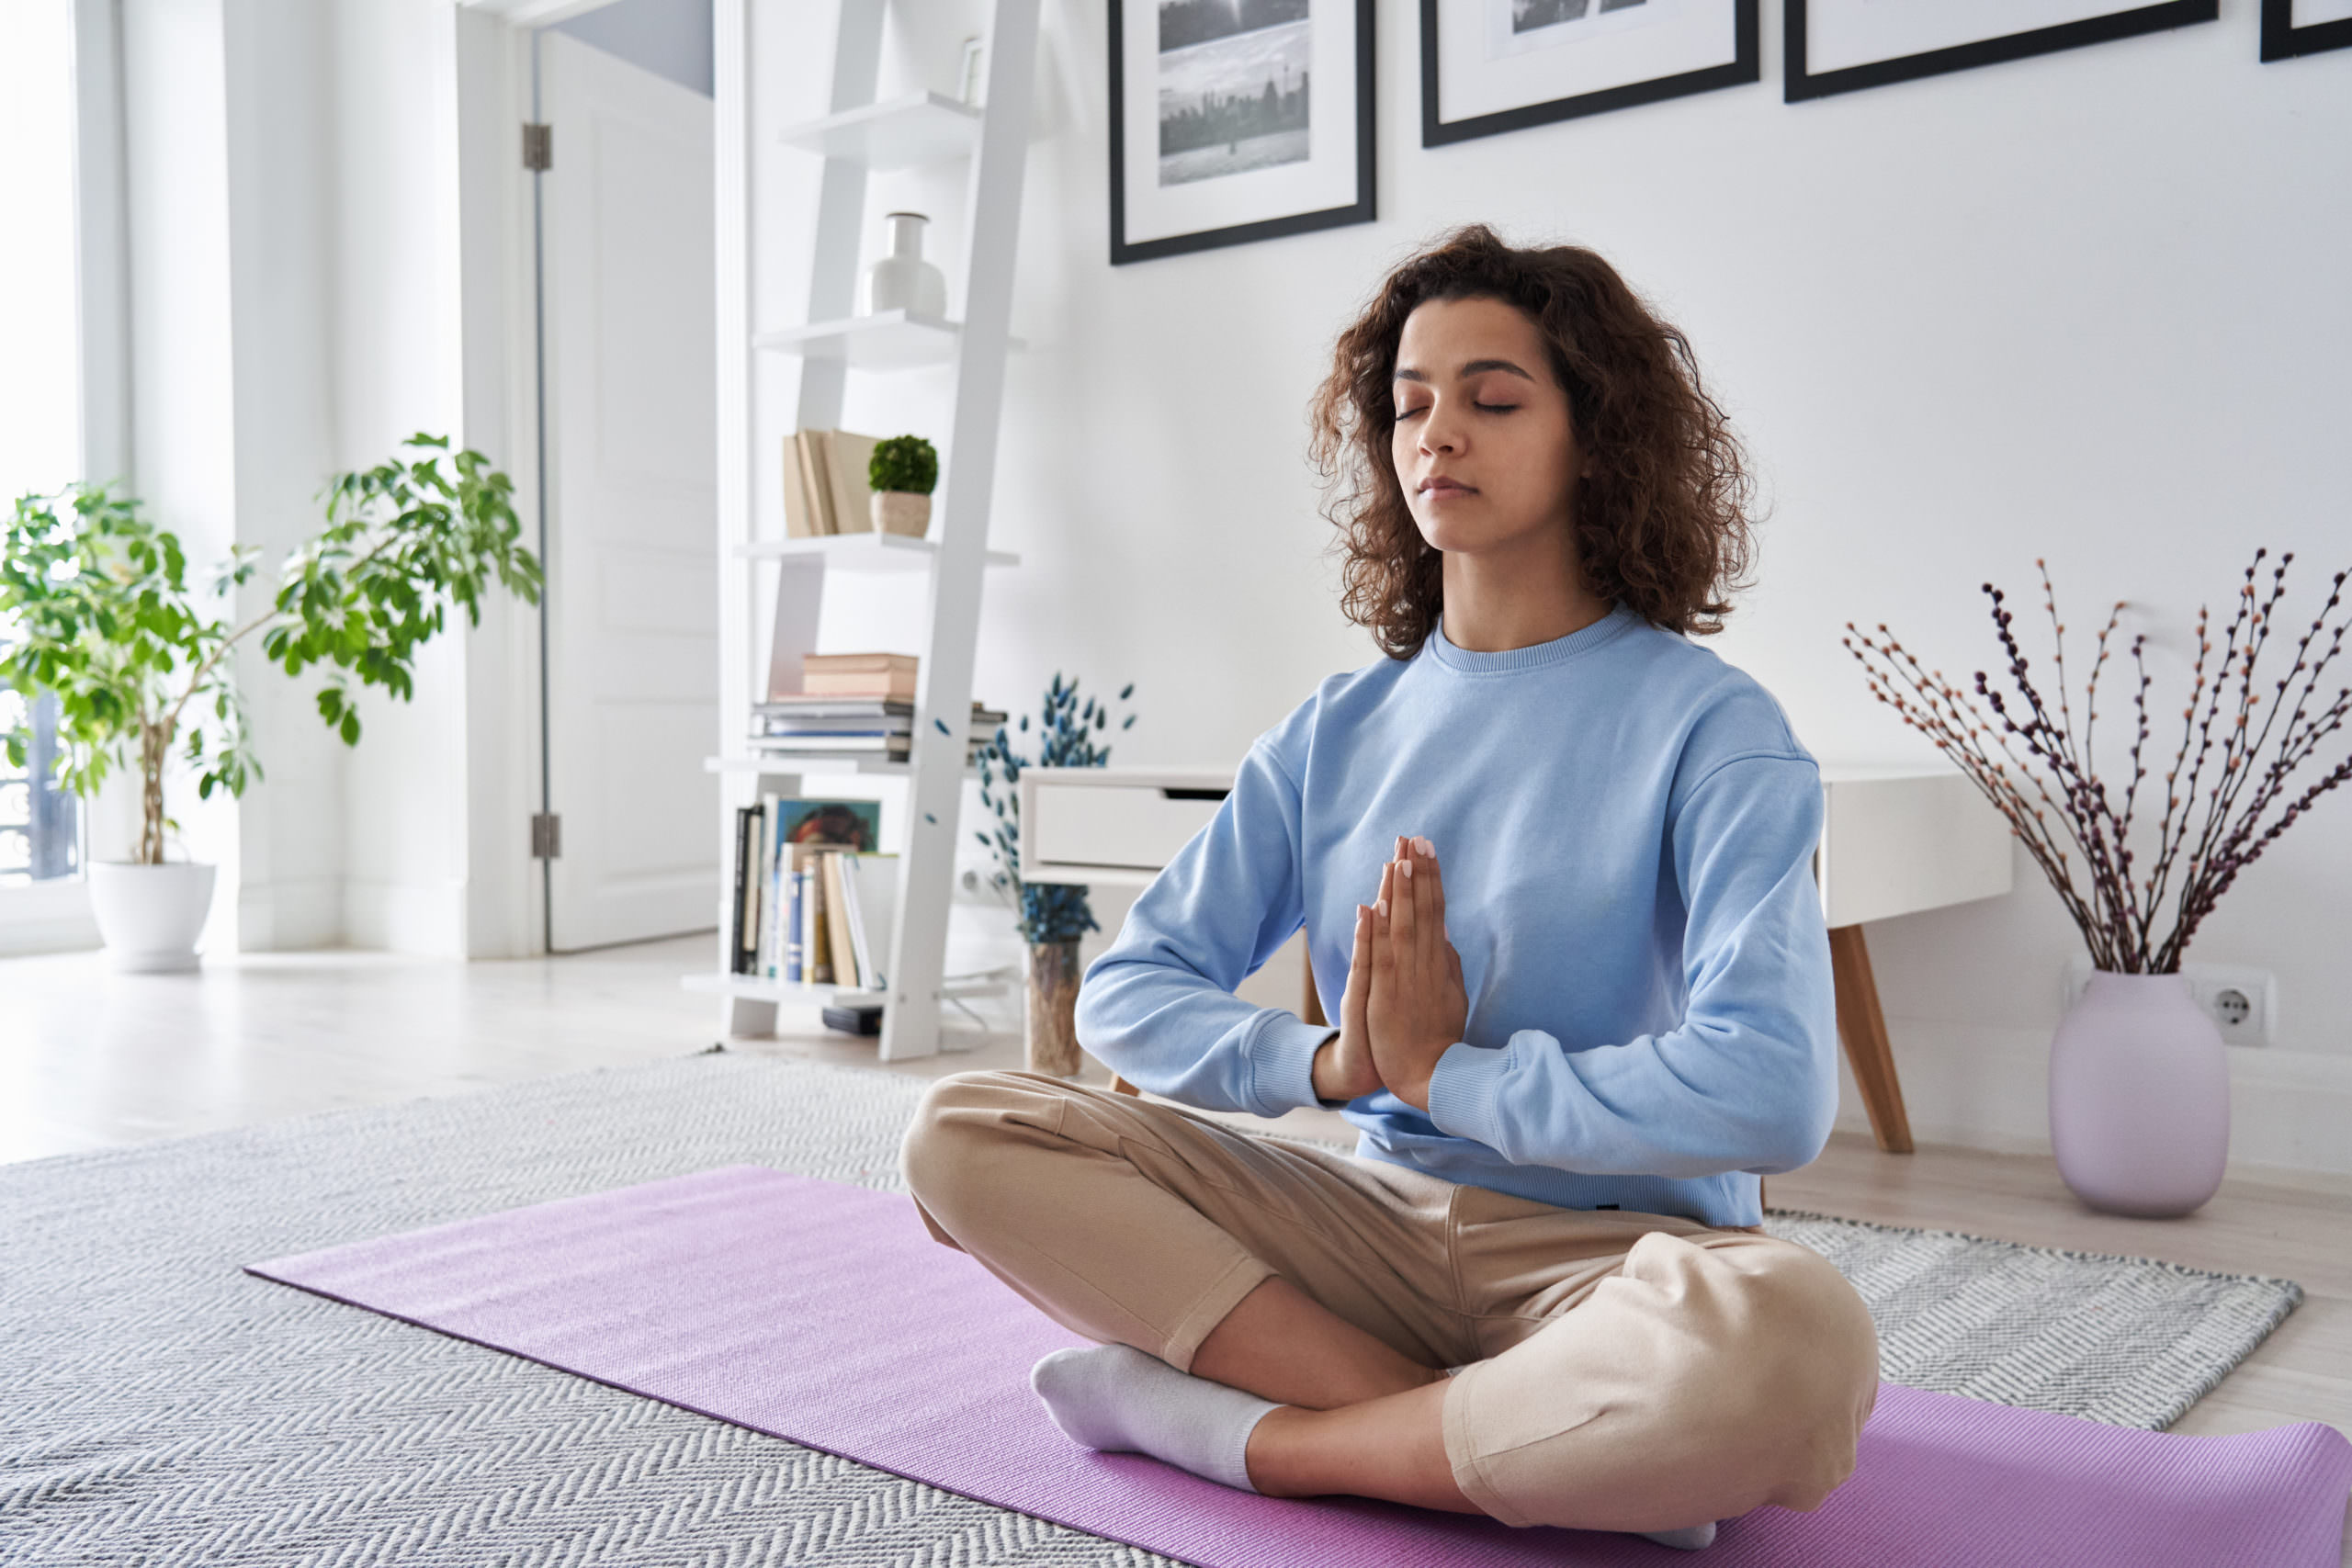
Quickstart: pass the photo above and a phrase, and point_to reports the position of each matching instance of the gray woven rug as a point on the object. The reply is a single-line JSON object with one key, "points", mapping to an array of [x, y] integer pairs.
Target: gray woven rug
{"points": [[164, 1408]]}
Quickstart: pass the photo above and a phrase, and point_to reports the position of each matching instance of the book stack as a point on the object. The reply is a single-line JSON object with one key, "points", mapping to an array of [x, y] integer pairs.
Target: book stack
{"points": [[825, 485], [888, 675], [812, 903], [855, 705]]}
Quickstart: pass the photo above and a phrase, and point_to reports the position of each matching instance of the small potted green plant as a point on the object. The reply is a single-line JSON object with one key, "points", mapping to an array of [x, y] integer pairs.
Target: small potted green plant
{"points": [[104, 619], [903, 472]]}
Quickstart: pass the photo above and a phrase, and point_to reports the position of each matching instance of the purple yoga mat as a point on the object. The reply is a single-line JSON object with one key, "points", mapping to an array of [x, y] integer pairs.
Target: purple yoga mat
{"points": [[824, 1313]]}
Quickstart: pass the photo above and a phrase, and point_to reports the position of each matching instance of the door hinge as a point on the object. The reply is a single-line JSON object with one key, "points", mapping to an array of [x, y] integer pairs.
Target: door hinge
{"points": [[539, 148], [546, 836]]}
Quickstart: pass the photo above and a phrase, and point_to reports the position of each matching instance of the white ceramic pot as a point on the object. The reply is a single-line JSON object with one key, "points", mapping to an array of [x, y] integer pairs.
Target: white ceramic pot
{"points": [[149, 916], [902, 280], [2140, 1097], [902, 512]]}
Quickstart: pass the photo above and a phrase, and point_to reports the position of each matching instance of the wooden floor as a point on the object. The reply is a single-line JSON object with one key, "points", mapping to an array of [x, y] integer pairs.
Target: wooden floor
{"points": [[91, 1059]]}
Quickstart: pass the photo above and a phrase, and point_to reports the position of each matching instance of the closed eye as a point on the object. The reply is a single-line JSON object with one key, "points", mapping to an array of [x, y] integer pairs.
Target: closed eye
{"points": [[1484, 408]]}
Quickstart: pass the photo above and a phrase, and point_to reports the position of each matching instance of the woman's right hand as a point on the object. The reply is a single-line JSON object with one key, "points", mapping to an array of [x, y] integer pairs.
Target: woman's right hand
{"points": [[1343, 1067]]}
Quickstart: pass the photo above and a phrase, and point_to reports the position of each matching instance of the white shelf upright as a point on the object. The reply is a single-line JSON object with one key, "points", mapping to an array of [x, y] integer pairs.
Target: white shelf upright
{"points": [[856, 135]]}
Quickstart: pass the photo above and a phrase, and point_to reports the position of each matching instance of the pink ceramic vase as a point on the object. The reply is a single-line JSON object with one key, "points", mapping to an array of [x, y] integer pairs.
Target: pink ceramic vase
{"points": [[2140, 1097]]}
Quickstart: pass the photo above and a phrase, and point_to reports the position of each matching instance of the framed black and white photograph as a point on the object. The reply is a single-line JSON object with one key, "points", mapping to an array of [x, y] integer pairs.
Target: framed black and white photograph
{"points": [[1237, 120], [2291, 27], [1489, 66], [1837, 46]]}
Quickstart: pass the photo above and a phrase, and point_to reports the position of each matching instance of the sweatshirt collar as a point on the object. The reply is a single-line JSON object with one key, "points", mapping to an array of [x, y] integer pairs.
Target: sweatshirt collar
{"points": [[1620, 619]]}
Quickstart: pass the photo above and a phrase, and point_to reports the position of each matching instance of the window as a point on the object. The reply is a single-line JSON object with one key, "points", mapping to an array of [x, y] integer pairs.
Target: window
{"points": [[40, 389]]}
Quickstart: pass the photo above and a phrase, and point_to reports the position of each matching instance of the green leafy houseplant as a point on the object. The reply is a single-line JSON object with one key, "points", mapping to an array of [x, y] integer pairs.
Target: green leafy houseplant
{"points": [[905, 465], [105, 619]]}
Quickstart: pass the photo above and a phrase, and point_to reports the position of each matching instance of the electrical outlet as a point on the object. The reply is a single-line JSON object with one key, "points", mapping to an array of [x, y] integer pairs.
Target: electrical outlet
{"points": [[2243, 1003]]}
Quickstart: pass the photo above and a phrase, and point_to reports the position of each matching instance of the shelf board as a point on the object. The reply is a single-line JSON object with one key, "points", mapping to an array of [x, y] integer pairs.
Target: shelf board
{"points": [[887, 340], [782, 762], [922, 128], [862, 552], [753, 988]]}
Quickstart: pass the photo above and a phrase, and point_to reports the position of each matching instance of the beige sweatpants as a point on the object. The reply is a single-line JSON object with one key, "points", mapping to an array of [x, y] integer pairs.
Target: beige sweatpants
{"points": [[1631, 1372]]}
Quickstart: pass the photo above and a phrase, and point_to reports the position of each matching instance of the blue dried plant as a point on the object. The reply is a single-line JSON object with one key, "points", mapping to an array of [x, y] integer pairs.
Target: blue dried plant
{"points": [[1067, 735]]}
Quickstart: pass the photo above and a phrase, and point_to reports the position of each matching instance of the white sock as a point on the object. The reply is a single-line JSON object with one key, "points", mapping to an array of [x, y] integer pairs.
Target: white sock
{"points": [[1689, 1540], [1117, 1398]]}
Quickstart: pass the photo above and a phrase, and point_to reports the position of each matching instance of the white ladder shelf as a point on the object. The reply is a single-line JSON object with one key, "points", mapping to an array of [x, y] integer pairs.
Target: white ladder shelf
{"points": [[858, 135]]}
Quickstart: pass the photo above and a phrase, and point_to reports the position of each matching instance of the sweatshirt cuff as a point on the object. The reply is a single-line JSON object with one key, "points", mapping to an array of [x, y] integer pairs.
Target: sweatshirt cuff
{"points": [[1282, 1062], [1464, 1089]]}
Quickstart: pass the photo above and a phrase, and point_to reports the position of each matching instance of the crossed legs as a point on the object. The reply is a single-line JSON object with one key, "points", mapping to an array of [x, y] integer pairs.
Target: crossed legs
{"points": [[1357, 1415], [1307, 1359]]}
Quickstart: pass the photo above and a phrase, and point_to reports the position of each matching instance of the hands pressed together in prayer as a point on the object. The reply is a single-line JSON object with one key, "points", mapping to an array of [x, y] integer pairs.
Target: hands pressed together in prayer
{"points": [[1404, 1003]]}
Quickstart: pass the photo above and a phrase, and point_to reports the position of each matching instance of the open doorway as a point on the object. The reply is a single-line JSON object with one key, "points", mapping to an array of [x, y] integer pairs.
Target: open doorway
{"points": [[624, 261]]}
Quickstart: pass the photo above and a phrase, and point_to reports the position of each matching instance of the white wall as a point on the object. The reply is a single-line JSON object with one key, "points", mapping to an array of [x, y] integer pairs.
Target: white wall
{"points": [[2087, 306], [281, 196], [397, 370], [670, 38], [291, 209], [181, 405]]}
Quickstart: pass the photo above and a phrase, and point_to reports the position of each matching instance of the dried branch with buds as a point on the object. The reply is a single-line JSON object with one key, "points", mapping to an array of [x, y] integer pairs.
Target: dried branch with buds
{"points": [[2222, 803]]}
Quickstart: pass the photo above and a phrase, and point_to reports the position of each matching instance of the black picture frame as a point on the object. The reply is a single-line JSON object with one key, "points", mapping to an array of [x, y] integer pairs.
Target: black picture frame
{"points": [[1361, 210], [1746, 66], [2282, 39], [1803, 85]]}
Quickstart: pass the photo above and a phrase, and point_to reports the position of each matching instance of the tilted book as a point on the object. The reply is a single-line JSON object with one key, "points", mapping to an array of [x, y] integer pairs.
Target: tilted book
{"points": [[840, 946]]}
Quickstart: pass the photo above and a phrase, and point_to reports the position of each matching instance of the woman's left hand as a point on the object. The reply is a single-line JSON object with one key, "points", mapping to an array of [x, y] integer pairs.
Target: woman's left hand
{"points": [[1417, 1007]]}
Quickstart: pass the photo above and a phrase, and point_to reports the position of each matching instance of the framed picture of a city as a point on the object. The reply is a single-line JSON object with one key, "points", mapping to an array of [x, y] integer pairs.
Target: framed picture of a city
{"points": [[1489, 66], [1237, 120], [1837, 46]]}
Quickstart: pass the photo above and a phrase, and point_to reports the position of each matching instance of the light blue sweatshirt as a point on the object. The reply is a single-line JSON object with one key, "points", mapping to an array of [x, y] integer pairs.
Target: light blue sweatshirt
{"points": [[1625, 826]]}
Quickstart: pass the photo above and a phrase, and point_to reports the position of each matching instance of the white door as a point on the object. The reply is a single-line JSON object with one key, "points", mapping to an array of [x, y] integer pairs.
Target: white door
{"points": [[628, 377]]}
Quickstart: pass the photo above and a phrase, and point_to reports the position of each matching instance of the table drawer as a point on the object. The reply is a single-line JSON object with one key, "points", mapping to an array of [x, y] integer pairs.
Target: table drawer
{"points": [[1136, 828]]}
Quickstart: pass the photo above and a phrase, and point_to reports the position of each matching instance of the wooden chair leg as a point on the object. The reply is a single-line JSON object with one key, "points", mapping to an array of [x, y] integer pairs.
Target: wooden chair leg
{"points": [[1863, 1029]]}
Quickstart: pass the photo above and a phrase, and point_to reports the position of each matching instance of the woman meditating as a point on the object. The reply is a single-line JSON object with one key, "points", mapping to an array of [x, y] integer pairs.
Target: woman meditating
{"points": [[1556, 859]]}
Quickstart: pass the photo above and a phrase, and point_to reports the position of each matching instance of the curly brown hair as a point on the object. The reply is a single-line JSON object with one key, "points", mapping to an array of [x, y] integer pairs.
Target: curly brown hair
{"points": [[1662, 523]]}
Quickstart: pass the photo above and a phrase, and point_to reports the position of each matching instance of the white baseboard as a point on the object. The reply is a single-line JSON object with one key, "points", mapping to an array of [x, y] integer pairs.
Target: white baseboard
{"points": [[47, 916], [401, 917], [291, 916], [1987, 1087]]}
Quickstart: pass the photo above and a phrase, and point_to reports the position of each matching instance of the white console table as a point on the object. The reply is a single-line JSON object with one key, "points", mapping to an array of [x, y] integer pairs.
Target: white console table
{"points": [[1894, 842]]}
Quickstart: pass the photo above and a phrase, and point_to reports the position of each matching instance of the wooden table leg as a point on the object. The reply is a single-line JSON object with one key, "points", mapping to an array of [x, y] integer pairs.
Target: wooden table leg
{"points": [[1863, 1028]]}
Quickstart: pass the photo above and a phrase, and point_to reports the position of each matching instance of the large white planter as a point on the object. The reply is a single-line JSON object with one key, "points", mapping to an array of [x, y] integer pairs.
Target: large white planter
{"points": [[2140, 1097], [149, 916]]}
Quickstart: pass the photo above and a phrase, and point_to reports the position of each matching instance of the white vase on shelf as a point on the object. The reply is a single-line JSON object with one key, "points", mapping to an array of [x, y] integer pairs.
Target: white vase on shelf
{"points": [[902, 280]]}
